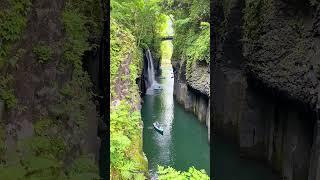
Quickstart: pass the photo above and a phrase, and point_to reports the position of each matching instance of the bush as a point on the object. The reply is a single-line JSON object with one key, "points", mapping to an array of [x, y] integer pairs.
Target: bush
{"points": [[12, 23], [192, 173], [43, 53], [7, 92]]}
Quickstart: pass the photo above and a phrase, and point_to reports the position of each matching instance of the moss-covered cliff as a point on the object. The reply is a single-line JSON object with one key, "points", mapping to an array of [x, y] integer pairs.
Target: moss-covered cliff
{"points": [[125, 119], [49, 119]]}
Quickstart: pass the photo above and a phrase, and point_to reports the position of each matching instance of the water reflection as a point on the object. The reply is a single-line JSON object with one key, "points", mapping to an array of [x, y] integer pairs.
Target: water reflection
{"points": [[163, 112]]}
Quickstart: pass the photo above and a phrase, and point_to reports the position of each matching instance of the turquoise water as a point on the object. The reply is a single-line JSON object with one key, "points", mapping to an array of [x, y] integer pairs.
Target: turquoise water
{"points": [[184, 142], [229, 166]]}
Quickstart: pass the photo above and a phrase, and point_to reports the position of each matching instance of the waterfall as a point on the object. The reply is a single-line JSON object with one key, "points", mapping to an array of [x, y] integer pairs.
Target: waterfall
{"points": [[152, 83], [151, 79]]}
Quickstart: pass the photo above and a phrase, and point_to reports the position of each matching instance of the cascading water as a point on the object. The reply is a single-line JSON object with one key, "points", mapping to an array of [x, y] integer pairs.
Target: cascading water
{"points": [[152, 83], [151, 79]]}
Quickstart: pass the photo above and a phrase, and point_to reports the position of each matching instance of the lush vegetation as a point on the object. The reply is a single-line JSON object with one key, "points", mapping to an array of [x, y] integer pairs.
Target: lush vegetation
{"points": [[192, 30], [171, 173], [137, 25], [12, 23], [57, 134], [43, 53], [127, 160], [143, 19], [41, 157], [166, 49]]}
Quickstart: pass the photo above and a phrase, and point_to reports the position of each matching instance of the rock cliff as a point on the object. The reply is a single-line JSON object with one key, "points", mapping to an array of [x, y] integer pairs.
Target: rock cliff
{"points": [[193, 93], [266, 83], [47, 85]]}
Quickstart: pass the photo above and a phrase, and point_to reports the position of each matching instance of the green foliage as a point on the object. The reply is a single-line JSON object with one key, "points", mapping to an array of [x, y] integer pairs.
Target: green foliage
{"points": [[43, 53], [162, 26], [252, 19], [256, 13], [83, 168], [192, 174], [192, 31], [7, 92], [76, 93], [125, 129], [77, 36], [73, 103], [33, 168], [166, 49], [12, 173], [123, 47], [91, 11], [142, 19], [122, 44], [12, 23], [41, 157]]}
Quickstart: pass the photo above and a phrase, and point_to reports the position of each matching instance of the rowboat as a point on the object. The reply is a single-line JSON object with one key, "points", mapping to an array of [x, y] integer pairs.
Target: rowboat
{"points": [[157, 88], [158, 128]]}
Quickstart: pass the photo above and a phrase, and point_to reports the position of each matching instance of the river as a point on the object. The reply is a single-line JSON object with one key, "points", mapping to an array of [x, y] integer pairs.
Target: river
{"points": [[229, 166], [184, 142]]}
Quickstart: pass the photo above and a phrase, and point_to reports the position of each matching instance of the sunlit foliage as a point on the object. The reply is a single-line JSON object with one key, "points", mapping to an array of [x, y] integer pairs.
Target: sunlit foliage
{"points": [[171, 173], [192, 30]]}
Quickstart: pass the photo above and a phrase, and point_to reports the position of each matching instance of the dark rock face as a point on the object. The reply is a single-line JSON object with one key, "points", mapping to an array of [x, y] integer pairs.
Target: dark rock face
{"points": [[37, 87], [265, 127], [194, 100], [284, 53], [1, 109], [199, 78], [266, 86]]}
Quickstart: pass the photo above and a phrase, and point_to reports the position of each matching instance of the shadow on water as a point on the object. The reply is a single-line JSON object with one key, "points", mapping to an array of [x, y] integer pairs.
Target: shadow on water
{"points": [[229, 166]]}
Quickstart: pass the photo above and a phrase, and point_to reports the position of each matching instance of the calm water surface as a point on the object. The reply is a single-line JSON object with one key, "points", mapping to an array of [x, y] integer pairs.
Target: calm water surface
{"points": [[229, 166], [184, 142]]}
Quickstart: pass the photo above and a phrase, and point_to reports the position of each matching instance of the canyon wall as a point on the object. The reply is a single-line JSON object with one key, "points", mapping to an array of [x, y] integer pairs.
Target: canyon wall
{"points": [[193, 93], [266, 83]]}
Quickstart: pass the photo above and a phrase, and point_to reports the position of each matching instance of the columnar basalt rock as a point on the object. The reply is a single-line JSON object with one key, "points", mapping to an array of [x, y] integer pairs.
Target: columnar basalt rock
{"points": [[193, 94], [266, 87]]}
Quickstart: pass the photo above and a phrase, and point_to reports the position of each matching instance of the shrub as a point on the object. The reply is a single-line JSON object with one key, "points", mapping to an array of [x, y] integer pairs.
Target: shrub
{"points": [[7, 92], [171, 173], [43, 53]]}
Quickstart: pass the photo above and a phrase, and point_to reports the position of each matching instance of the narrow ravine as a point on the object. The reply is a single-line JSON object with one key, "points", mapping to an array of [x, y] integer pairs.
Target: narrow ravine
{"points": [[184, 142]]}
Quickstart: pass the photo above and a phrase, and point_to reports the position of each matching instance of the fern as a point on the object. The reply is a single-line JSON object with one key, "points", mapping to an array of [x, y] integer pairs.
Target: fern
{"points": [[43, 53], [171, 173]]}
